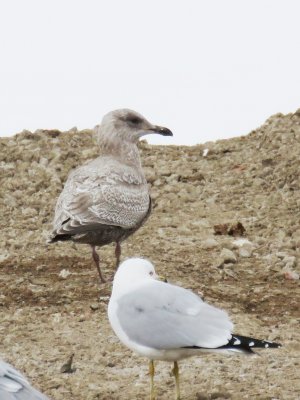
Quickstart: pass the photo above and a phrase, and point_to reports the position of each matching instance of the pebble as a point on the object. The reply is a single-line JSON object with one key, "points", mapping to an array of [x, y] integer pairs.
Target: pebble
{"points": [[290, 274], [245, 247], [245, 252], [241, 242], [209, 243], [94, 306], [228, 256], [289, 261], [64, 273], [4, 256]]}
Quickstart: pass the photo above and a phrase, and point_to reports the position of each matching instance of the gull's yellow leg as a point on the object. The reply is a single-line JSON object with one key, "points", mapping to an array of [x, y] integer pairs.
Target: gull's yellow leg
{"points": [[151, 373], [175, 371]]}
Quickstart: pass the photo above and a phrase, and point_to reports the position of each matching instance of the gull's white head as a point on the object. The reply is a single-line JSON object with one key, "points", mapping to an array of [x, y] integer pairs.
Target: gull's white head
{"points": [[133, 272], [127, 125]]}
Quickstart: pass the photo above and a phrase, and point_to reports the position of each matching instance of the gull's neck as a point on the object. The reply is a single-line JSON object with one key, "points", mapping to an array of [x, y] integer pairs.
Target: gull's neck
{"points": [[124, 151]]}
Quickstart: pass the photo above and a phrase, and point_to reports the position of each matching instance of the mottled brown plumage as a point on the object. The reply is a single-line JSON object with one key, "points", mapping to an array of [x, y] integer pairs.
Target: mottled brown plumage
{"points": [[107, 199]]}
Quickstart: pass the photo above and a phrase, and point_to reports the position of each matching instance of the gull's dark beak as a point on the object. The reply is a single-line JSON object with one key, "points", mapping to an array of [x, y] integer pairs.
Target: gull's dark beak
{"points": [[161, 130]]}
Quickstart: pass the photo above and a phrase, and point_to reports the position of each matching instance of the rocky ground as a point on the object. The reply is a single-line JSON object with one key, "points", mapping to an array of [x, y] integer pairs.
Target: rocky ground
{"points": [[51, 305]]}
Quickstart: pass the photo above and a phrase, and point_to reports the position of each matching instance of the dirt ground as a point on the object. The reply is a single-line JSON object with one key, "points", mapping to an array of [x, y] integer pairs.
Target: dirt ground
{"points": [[46, 314]]}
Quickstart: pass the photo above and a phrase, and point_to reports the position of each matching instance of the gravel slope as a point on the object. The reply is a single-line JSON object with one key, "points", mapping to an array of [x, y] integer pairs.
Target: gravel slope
{"points": [[46, 315]]}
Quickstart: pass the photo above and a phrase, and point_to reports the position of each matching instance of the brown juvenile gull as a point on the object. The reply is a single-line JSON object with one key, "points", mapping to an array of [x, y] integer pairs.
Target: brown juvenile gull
{"points": [[107, 199]]}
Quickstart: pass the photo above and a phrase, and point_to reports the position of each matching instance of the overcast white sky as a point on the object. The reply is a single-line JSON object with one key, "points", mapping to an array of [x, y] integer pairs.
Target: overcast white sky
{"points": [[206, 69]]}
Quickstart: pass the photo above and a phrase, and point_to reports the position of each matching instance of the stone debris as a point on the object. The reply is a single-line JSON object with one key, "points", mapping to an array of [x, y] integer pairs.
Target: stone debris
{"points": [[245, 251], [228, 256], [244, 246], [241, 242], [68, 368], [253, 180], [94, 306], [236, 229], [289, 274], [5, 255], [209, 243], [64, 273]]}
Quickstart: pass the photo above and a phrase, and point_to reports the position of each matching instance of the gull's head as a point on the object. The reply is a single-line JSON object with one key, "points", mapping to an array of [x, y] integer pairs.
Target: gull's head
{"points": [[133, 271], [127, 125]]}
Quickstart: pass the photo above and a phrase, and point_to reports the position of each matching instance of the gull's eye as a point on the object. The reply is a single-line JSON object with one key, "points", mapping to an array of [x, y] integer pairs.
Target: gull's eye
{"points": [[133, 119], [151, 273]]}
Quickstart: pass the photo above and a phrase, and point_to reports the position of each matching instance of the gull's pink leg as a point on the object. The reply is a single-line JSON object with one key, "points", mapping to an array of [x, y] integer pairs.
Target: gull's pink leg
{"points": [[96, 258]]}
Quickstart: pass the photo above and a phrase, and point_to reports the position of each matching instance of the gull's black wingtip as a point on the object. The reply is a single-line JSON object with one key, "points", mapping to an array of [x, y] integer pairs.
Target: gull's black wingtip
{"points": [[242, 344], [246, 344]]}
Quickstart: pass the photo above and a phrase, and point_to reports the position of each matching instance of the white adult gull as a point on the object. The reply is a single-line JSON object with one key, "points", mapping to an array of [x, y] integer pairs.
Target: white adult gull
{"points": [[166, 322], [14, 386], [107, 199]]}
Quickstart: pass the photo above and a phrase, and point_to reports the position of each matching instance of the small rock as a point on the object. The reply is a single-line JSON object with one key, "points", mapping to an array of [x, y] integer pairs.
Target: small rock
{"points": [[4, 256], [218, 263], [221, 229], [290, 274], [67, 367], [245, 252], [94, 307], [241, 242], [228, 256], [104, 299], [81, 318], [245, 247], [41, 267], [209, 243], [64, 273], [289, 261], [236, 229], [110, 364]]}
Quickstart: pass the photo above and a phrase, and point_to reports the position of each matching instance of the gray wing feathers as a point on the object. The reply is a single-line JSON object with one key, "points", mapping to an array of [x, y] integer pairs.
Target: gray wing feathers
{"points": [[104, 192], [27, 393], [14, 386], [171, 317]]}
